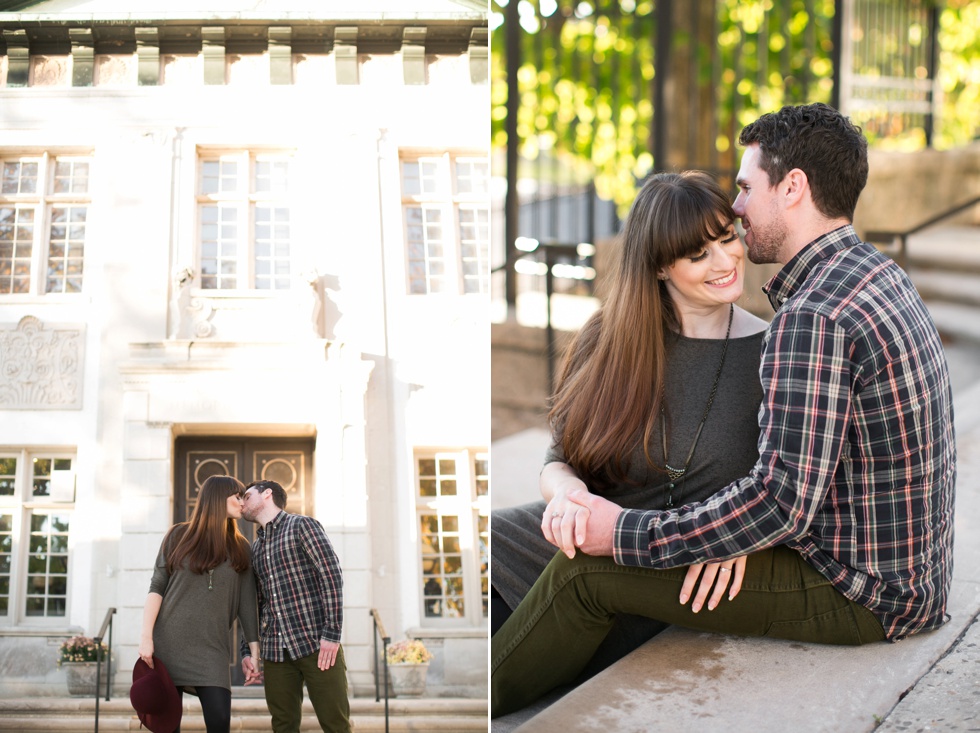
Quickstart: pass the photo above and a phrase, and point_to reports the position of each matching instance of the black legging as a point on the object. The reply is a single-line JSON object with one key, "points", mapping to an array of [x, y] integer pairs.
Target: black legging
{"points": [[216, 705]]}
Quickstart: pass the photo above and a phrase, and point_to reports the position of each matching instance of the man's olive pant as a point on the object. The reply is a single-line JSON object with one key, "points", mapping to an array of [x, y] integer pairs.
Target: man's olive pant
{"points": [[327, 690], [555, 630]]}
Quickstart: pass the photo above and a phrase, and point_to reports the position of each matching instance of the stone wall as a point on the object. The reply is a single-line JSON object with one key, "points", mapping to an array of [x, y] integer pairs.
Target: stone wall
{"points": [[907, 189]]}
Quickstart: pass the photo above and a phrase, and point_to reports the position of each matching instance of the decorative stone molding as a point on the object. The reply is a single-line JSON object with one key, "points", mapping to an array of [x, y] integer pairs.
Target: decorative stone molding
{"points": [[479, 54], [50, 71], [18, 57], [281, 55], [190, 317], [413, 55], [41, 365], [345, 54], [82, 57], [213, 51], [115, 71], [148, 53]]}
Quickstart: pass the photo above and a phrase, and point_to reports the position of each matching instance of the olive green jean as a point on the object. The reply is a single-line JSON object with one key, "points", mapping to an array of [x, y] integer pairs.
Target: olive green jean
{"points": [[327, 689], [558, 626]]}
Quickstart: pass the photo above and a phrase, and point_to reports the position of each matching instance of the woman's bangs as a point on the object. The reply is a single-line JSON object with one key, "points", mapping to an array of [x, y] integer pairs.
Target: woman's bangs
{"points": [[695, 228]]}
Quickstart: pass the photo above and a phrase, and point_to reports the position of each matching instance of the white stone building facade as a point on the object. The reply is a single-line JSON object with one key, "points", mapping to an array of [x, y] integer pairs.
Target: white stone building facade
{"points": [[247, 241]]}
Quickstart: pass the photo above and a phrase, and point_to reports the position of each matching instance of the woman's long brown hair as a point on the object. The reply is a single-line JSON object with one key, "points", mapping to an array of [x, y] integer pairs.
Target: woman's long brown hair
{"points": [[211, 536], [610, 386]]}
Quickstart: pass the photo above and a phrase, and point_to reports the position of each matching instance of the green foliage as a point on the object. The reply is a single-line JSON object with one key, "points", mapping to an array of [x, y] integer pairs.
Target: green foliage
{"points": [[587, 76], [959, 73]]}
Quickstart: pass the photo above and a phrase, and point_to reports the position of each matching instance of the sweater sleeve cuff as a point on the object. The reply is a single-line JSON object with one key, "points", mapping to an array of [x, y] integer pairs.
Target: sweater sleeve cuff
{"points": [[631, 541]]}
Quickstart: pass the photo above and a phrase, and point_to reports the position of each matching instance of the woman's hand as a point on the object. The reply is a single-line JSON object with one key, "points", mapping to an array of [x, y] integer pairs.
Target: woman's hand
{"points": [[719, 574], [562, 519], [146, 651]]}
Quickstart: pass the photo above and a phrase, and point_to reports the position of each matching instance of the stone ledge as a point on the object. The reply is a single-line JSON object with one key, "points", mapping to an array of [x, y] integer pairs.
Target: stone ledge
{"points": [[686, 680]]}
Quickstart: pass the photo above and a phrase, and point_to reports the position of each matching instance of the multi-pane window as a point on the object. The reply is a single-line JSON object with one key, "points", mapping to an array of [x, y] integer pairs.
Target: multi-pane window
{"points": [[44, 206], [245, 237], [445, 200], [452, 500], [37, 493]]}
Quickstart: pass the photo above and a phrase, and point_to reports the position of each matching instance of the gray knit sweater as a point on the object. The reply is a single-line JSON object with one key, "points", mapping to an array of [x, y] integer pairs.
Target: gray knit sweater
{"points": [[726, 450], [193, 631]]}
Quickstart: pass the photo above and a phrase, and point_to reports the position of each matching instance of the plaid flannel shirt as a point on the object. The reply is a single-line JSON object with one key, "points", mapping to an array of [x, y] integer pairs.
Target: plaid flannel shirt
{"points": [[857, 460], [300, 587]]}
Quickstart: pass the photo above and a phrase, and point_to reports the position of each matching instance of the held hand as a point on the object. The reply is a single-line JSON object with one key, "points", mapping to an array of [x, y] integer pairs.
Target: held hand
{"points": [[599, 528], [146, 652], [563, 521], [251, 671], [328, 654], [562, 518], [718, 574]]}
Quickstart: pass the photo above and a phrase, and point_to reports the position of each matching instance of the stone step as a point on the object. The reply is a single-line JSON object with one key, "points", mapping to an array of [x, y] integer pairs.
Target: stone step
{"points": [[953, 248], [689, 681], [940, 262], [952, 286], [956, 321], [71, 714]]}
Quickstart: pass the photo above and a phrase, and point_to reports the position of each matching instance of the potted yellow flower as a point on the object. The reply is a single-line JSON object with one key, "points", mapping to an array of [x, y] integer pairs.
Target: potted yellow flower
{"points": [[408, 664], [78, 655]]}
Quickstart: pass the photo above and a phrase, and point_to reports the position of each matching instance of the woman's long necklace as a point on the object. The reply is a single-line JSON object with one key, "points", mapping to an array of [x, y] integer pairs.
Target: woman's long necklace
{"points": [[674, 474], [211, 579]]}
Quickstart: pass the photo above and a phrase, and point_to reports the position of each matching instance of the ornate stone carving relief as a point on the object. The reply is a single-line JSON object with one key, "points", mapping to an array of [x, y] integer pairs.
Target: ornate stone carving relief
{"points": [[197, 314], [41, 365], [115, 70], [51, 71]]}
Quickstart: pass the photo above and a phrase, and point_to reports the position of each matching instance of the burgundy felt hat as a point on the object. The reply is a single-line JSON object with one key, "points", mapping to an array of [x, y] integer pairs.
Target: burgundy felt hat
{"points": [[155, 698]]}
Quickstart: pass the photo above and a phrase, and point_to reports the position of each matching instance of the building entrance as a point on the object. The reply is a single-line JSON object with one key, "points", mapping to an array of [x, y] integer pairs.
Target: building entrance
{"points": [[288, 461]]}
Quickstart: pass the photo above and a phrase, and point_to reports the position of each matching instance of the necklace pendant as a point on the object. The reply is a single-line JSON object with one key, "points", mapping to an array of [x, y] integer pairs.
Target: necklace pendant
{"points": [[674, 473]]}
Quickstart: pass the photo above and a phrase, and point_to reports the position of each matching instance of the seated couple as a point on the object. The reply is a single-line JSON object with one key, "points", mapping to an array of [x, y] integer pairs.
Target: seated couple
{"points": [[793, 480]]}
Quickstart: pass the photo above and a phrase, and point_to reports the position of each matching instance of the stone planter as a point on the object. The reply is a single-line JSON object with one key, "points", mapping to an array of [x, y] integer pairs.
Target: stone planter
{"points": [[81, 678], [408, 680]]}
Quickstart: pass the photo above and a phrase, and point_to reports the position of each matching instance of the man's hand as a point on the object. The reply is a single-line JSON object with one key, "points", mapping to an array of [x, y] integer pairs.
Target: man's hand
{"points": [[251, 671], [328, 654], [595, 535]]}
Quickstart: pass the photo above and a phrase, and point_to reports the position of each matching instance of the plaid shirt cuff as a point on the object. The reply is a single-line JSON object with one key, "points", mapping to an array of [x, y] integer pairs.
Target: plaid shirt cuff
{"points": [[631, 541]]}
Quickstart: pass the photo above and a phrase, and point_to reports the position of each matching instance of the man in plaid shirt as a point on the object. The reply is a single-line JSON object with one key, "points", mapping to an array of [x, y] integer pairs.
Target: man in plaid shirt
{"points": [[300, 589], [848, 513]]}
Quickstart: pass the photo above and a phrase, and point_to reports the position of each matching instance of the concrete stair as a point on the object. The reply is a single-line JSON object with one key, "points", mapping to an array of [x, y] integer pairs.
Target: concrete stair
{"points": [[77, 715], [944, 264], [687, 682]]}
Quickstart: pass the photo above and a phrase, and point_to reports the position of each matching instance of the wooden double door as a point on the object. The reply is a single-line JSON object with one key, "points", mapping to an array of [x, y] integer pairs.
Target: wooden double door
{"points": [[288, 461]]}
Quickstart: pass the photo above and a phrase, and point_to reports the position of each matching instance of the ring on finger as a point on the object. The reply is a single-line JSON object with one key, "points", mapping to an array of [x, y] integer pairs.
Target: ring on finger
{"points": [[556, 514], [725, 570]]}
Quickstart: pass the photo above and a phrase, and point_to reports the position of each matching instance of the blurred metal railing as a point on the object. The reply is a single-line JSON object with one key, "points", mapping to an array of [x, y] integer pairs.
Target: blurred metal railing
{"points": [[899, 240], [380, 633], [106, 625]]}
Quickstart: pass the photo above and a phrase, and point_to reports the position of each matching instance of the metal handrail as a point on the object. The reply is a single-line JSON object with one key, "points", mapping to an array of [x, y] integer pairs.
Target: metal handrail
{"points": [[901, 238], [379, 632], [106, 624]]}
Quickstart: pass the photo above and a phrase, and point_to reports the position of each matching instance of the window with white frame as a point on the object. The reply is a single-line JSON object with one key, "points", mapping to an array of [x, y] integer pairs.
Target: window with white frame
{"points": [[44, 205], [244, 221], [37, 494], [453, 508], [445, 201]]}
